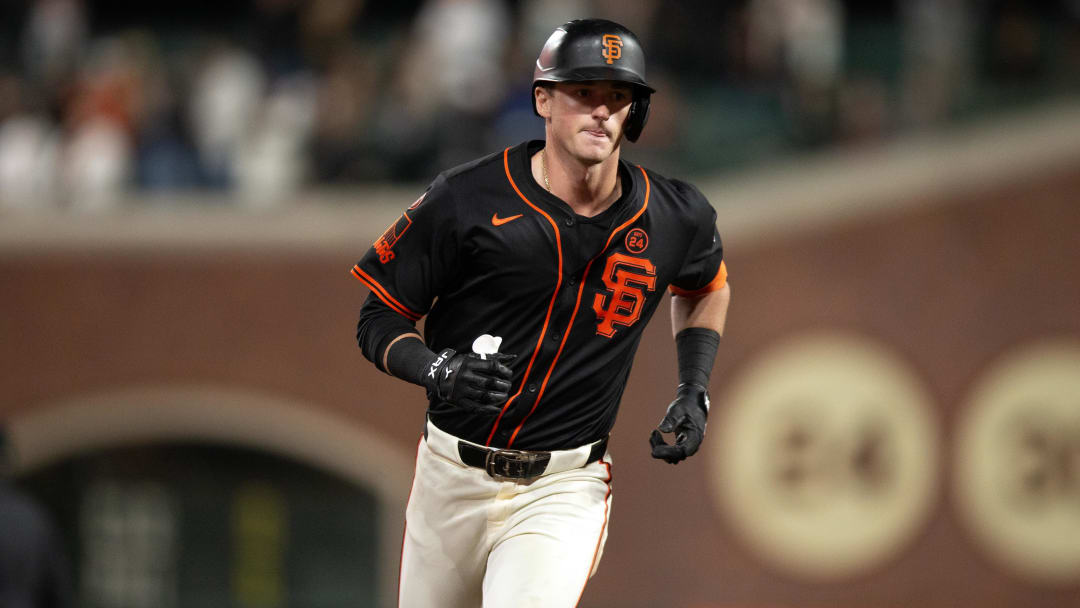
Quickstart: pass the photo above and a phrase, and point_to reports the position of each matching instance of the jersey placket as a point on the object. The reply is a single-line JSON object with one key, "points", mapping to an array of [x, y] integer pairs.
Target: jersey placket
{"points": [[569, 295], [562, 319], [530, 390]]}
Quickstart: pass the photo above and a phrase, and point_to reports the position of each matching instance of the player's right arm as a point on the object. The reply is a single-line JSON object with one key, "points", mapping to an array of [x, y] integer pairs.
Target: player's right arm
{"points": [[392, 343], [405, 269]]}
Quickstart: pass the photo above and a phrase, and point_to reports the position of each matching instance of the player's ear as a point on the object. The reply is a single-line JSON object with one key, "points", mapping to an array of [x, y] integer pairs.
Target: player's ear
{"points": [[542, 97]]}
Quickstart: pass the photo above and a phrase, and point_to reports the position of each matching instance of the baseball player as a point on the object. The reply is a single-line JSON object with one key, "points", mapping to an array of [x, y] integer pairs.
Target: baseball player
{"points": [[537, 268]]}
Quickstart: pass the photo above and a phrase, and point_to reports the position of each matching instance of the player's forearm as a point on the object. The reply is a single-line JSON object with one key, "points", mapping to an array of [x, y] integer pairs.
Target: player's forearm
{"points": [[698, 323], [382, 332], [408, 358], [707, 311]]}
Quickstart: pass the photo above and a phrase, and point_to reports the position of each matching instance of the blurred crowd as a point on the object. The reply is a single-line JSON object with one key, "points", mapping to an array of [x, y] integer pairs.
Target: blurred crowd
{"points": [[261, 99]]}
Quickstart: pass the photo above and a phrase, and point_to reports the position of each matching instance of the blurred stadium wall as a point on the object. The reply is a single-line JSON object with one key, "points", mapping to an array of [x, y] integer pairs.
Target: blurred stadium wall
{"points": [[896, 414]]}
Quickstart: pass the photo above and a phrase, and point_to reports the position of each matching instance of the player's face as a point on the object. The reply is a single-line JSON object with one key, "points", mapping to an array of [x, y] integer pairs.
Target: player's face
{"points": [[587, 117]]}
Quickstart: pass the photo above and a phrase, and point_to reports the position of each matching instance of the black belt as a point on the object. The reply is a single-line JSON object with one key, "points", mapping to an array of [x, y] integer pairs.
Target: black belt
{"points": [[516, 464]]}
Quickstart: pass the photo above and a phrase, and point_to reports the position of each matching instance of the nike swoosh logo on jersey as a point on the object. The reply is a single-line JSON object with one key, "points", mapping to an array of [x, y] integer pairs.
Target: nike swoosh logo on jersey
{"points": [[499, 221]]}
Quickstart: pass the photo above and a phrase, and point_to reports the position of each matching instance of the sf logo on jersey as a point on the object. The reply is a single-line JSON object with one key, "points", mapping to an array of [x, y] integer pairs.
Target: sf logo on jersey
{"points": [[627, 279]]}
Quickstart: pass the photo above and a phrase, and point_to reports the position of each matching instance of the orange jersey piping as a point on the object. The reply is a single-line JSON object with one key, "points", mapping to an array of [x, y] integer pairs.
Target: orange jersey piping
{"points": [[577, 305], [551, 304], [384, 295]]}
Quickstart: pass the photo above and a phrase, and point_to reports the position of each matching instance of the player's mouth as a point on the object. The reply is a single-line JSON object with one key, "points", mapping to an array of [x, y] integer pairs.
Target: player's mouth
{"points": [[600, 133]]}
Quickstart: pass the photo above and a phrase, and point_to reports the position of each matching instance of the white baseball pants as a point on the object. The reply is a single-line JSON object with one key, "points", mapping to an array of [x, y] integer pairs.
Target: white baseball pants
{"points": [[472, 541]]}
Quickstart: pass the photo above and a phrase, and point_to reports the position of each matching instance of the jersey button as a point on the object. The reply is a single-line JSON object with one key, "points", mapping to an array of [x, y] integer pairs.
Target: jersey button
{"points": [[555, 337], [569, 221], [571, 282], [532, 388]]}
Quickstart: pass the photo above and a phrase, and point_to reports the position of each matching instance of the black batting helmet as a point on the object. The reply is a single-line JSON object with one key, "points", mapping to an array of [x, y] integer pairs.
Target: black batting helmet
{"points": [[597, 49]]}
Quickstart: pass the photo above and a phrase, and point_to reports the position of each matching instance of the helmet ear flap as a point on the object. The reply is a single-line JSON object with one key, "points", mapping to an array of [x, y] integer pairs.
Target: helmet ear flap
{"points": [[636, 118]]}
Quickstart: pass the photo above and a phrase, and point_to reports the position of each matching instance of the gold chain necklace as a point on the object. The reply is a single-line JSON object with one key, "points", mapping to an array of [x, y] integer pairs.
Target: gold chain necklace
{"points": [[543, 163]]}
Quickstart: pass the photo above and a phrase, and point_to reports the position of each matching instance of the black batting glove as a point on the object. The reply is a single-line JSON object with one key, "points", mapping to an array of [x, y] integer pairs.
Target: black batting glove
{"points": [[686, 418], [467, 381]]}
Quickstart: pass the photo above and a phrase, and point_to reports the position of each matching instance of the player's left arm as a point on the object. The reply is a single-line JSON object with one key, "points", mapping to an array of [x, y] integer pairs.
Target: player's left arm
{"points": [[699, 304], [697, 321]]}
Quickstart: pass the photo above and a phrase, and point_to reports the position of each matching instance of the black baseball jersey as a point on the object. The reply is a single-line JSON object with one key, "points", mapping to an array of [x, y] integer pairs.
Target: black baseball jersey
{"points": [[487, 250]]}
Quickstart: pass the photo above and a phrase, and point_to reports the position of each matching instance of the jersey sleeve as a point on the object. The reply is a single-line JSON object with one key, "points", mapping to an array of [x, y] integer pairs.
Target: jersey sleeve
{"points": [[411, 261], [704, 269]]}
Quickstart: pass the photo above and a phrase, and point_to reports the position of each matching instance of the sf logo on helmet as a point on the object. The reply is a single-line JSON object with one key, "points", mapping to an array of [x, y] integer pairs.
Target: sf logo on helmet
{"points": [[612, 47]]}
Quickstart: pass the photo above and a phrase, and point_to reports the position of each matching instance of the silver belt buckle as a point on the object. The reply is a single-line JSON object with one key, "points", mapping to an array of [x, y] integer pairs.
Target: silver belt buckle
{"points": [[509, 464]]}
